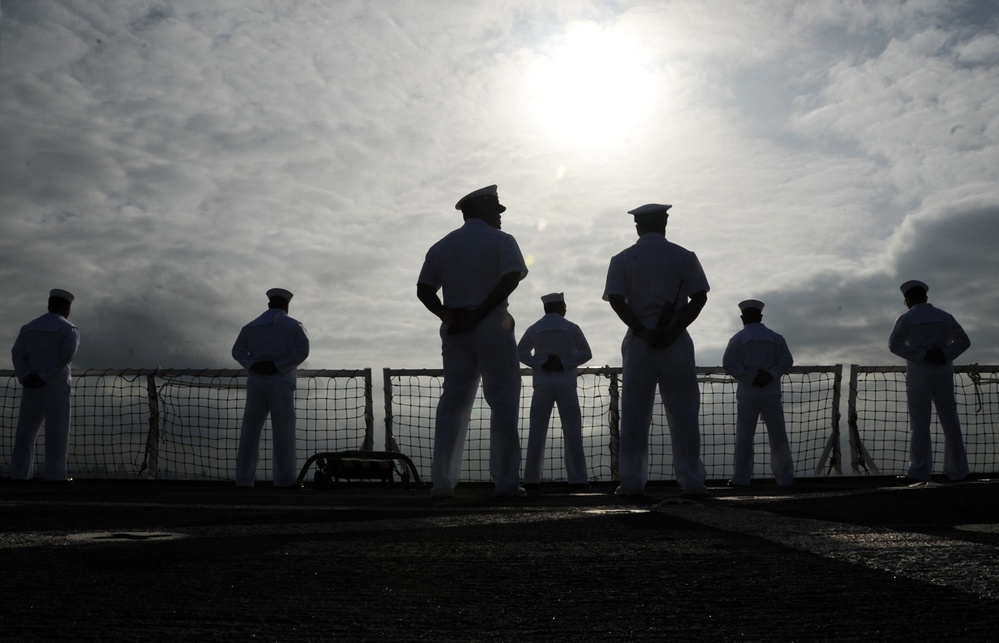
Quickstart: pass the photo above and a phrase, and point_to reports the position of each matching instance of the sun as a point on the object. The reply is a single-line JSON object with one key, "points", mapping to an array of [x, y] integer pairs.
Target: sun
{"points": [[591, 88]]}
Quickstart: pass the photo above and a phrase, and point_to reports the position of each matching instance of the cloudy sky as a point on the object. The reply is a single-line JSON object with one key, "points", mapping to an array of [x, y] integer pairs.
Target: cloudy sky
{"points": [[169, 161]]}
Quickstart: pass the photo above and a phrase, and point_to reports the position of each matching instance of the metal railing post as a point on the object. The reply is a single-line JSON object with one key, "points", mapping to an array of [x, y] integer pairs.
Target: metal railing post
{"points": [[150, 463]]}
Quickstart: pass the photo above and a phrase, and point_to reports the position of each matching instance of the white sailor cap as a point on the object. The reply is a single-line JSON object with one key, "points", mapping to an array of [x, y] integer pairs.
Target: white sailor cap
{"points": [[913, 283], [62, 294], [552, 298], [651, 208], [279, 292], [751, 303], [488, 192]]}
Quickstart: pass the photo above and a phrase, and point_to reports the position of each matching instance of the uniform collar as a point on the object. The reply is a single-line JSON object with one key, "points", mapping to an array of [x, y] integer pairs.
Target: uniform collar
{"points": [[267, 317], [50, 322], [551, 321], [755, 332]]}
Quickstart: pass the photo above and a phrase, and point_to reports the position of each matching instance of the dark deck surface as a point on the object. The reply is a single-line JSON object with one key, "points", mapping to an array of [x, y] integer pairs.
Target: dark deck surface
{"points": [[835, 559]]}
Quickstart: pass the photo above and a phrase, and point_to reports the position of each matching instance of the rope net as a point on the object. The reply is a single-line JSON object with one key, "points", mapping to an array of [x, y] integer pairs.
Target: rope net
{"points": [[184, 424], [879, 419], [811, 400]]}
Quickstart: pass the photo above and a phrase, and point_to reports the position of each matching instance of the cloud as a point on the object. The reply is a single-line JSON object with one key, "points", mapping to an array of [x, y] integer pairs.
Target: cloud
{"points": [[168, 162], [845, 316]]}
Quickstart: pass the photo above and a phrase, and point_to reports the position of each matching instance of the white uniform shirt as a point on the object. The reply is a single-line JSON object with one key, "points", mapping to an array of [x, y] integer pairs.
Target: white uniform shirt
{"points": [[652, 273], [273, 337], [46, 345], [756, 348], [468, 263], [924, 327], [553, 334]]}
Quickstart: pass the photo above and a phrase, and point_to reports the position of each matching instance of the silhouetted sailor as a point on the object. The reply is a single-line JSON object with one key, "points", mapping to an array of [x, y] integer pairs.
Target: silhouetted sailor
{"points": [[477, 266], [930, 340], [658, 289], [553, 347], [757, 358], [42, 355], [270, 348]]}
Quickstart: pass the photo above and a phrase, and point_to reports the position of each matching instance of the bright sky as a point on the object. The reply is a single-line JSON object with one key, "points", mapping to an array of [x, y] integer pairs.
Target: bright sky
{"points": [[169, 161]]}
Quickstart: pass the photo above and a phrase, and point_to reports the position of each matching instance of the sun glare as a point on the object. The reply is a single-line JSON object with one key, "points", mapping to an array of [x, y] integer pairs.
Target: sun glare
{"points": [[591, 88]]}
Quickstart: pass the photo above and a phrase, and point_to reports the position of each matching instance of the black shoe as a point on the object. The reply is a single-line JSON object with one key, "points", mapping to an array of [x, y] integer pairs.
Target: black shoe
{"points": [[517, 492], [532, 486], [579, 486], [906, 480], [66, 481]]}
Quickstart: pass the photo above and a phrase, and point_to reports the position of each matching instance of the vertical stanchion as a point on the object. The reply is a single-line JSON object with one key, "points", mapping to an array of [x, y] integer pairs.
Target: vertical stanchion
{"points": [[369, 414], [860, 459], [390, 444], [150, 462], [614, 425], [832, 452]]}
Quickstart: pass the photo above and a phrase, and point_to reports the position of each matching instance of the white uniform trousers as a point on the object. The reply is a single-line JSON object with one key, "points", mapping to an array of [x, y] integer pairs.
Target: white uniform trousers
{"points": [[545, 396], [489, 352], [274, 395], [50, 403], [673, 369], [925, 385], [751, 405]]}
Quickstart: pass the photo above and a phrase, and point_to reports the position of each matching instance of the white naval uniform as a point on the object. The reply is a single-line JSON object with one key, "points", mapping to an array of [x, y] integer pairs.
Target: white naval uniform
{"points": [[276, 337], [757, 348], [553, 334], [920, 329], [46, 346], [651, 274], [467, 264]]}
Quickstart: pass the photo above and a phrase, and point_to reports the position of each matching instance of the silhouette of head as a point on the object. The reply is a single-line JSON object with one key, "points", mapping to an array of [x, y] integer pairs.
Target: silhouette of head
{"points": [[60, 302], [651, 217], [482, 204], [554, 303], [752, 311], [279, 298], [914, 292]]}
